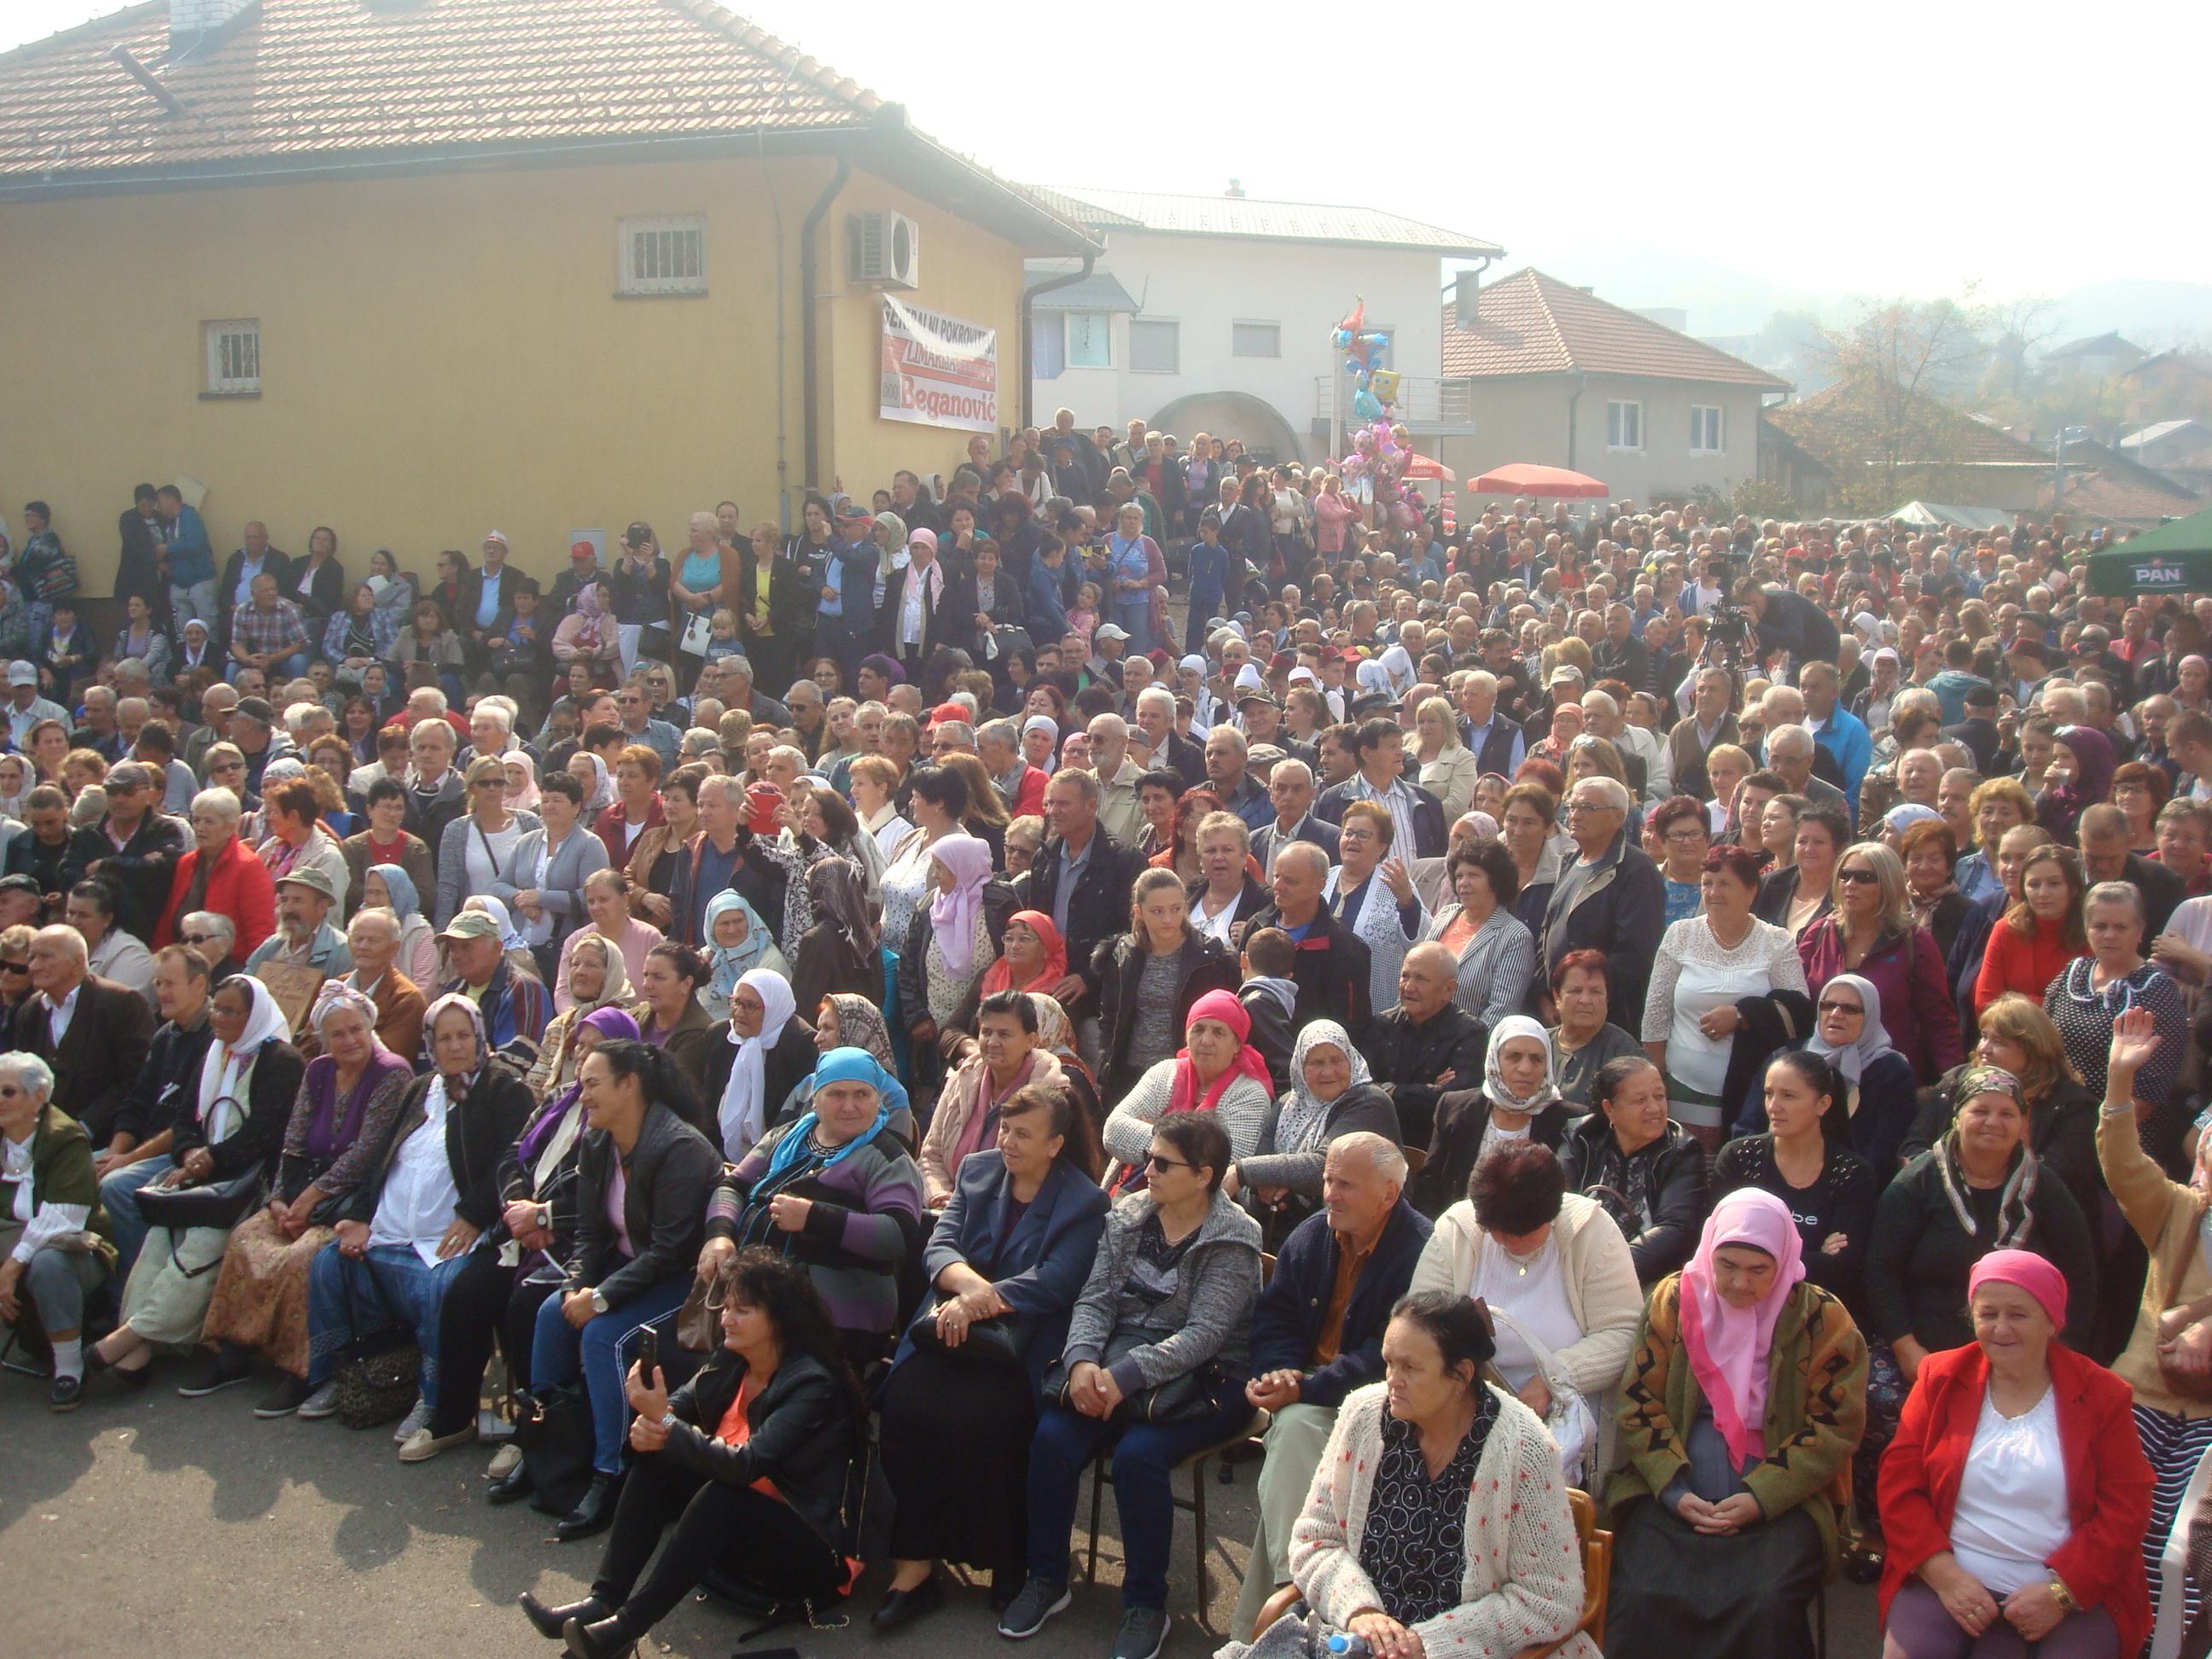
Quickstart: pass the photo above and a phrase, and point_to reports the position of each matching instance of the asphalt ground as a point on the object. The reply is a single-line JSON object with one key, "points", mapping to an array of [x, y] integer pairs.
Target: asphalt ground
{"points": [[148, 1525]]}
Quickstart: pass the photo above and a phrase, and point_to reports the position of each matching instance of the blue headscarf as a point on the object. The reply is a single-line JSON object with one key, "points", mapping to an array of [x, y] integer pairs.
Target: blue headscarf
{"points": [[839, 1065], [406, 901]]}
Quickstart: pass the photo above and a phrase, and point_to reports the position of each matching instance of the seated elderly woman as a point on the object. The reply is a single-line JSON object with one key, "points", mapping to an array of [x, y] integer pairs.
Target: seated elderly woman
{"points": [[835, 1191], [1739, 1415], [1495, 954], [1012, 1247], [1007, 1060], [497, 1295], [429, 1193], [55, 1236], [642, 1177], [351, 1093], [224, 1146], [2015, 1497], [1439, 1523], [1515, 1100], [1646, 1169], [1561, 1286], [759, 1060], [1218, 1072], [749, 1460], [1331, 1096], [1154, 1367]]}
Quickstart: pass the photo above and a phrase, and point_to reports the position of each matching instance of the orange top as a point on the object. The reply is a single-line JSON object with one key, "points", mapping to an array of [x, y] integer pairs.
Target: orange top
{"points": [[734, 1431]]}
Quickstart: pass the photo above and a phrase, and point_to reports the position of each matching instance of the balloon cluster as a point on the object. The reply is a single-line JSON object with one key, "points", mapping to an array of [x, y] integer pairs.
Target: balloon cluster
{"points": [[1382, 448]]}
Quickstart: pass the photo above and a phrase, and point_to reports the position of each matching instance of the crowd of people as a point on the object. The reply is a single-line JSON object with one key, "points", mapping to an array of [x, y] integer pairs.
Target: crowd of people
{"points": [[1700, 1014]]}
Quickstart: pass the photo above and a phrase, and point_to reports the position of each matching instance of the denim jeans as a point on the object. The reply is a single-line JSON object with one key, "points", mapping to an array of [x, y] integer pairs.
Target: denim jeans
{"points": [[287, 668], [348, 1297], [1145, 1457], [194, 603], [118, 1196], [600, 1352]]}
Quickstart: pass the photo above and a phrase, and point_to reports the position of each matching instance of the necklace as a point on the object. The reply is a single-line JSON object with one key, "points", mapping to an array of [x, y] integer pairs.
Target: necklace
{"points": [[1523, 1263]]}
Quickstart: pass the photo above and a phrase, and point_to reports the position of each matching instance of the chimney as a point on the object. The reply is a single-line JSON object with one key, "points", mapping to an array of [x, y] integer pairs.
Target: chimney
{"points": [[195, 25], [1235, 189]]}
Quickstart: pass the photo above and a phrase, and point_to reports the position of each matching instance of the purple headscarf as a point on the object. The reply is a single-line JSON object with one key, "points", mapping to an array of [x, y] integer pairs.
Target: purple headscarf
{"points": [[613, 1025], [2061, 807]]}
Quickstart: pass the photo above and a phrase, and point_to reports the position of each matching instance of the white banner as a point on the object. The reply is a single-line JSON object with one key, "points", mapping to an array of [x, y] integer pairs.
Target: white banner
{"points": [[938, 370]]}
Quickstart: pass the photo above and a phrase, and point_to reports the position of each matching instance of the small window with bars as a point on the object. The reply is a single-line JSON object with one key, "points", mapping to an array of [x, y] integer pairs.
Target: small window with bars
{"points": [[233, 358], [665, 256]]}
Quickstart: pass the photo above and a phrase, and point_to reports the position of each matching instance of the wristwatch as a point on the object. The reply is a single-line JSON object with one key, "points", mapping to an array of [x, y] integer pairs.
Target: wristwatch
{"points": [[2063, 1596], [598, 1302], [668, 1419]]}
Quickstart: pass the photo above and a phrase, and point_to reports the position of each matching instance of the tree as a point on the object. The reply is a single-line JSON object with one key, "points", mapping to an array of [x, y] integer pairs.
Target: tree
{"points": [[2020, 327], [1890, 375]]}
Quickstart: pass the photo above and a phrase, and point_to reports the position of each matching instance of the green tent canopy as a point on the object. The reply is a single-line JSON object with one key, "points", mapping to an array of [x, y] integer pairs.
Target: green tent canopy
{"points": [[2174, 558]]}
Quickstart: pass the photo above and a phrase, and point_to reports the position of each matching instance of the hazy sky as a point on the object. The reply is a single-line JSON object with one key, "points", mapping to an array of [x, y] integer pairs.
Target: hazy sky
{"points": [[1899, 146]]}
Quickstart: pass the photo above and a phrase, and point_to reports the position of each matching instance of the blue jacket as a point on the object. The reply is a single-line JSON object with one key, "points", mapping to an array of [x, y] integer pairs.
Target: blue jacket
{"points": [[1844, 736], [1286, 1323], [1048, 616], [1047, 1258], [1209, 574], [191, 558]]}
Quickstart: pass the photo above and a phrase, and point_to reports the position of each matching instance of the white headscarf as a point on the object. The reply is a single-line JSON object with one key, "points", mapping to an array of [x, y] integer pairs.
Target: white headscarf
{"points": [[742, 1114], [222, 1107], [1299, 1127], [509, 938], [1874, 1042], [1397, 664], [1493, 1079], [602, 794]]}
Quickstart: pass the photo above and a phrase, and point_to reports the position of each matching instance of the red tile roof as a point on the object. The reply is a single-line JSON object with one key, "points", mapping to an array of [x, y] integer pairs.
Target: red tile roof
{"points": [[2116, 495], [1532, 324], [1833, 425], [301, 83]]}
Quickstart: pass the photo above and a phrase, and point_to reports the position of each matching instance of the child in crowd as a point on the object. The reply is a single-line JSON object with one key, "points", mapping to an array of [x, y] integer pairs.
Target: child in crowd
{"points": [[1269, 998]]}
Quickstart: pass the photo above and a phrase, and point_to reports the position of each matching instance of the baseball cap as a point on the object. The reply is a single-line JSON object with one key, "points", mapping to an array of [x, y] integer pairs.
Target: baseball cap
{"points": [[1565, 672], [256, 709], [22, 673], [320, 881], [470, 924], [1111, 631], [19, 884], [1257, 694], [499, 535], [130, 775]]}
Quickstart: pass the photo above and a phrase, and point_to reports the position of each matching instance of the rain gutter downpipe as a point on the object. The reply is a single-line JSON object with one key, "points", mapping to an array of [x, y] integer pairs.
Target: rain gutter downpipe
{"points": [[1029, 323], [1574, 397], [810, 327]]}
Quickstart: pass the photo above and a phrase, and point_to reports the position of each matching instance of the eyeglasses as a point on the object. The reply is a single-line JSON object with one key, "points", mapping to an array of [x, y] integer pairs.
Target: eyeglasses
{"points": [[1840, 1008], [1155, 1162], [15, 966], [1575, 806], [192, 938], [1860, 878], [1684, 837]]}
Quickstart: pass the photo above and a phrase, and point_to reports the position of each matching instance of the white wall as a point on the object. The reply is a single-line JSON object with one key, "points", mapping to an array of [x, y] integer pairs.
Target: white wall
{"points": [[1209, 284]]}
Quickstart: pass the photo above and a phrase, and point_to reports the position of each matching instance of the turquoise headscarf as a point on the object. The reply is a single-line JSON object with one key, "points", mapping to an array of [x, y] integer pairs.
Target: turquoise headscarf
{"points": [[730, 963], [839, 1065], [406, 901]]}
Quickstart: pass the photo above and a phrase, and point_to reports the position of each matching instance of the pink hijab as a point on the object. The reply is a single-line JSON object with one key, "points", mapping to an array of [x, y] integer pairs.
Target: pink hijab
{"points": [[953, 914], [1728, 1346]]}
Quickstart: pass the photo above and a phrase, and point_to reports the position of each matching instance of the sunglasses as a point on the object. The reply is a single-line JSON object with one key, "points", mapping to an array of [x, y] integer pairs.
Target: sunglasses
{"points": [[1859, 877], [193, 938], [15, 966], [1841, 1008], [1154, 1161]]}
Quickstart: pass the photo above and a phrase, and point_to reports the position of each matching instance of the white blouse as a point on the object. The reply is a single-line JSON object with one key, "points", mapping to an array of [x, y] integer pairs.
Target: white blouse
{"points": [[2011, 1516]]}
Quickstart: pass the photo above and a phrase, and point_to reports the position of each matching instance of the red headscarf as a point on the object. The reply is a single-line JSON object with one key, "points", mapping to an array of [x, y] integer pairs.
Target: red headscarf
{"points": [[1000, 975], [1183, 1096]]}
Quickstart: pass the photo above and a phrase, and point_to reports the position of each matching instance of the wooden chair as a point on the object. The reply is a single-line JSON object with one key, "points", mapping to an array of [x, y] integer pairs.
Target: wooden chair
{"points": [[1417, 1159], [1597, 1571], [1102, 1477]]}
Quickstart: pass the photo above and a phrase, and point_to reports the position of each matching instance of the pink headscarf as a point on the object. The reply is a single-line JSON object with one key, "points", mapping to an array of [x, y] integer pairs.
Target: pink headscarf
{"points": [[1728, 1346], [1183, 1095], [953, 913], [2028, 1270]]}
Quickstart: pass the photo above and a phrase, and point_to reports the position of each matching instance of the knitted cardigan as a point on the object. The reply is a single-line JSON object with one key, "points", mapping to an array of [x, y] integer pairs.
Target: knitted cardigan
{"points": [[1242, 1108], [1523, 1587], [1816, 1376]]}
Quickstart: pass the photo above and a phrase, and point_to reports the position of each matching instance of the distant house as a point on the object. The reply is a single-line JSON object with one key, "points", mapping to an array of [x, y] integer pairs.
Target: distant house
{"points": [[2170, 386], [1883, 447], [2106, 486], [412, 270], [2181, 449], [2097, 357], [1212, 313], [1555, 375]]}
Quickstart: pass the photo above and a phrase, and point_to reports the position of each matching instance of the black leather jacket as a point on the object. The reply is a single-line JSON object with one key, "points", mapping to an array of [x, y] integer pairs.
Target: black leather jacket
{"points": [[804, 1432], [1670, 1172]]}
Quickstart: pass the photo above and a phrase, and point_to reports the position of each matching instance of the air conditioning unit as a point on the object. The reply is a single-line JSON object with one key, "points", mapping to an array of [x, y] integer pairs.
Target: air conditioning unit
{"points": [[884, 249]]}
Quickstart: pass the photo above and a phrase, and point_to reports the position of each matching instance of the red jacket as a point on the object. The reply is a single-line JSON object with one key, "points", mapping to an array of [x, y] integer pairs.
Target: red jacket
{"points": [[611, 824], [2108, 1480], [240, 887]]}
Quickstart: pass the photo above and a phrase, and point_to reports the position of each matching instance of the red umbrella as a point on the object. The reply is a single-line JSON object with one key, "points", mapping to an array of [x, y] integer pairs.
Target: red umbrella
{"points": [[1525, 478], [1423, 468]]}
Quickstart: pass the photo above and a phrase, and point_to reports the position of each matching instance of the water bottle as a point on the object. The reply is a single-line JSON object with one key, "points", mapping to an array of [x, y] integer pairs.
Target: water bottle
{"points": [[1343, 1645]]}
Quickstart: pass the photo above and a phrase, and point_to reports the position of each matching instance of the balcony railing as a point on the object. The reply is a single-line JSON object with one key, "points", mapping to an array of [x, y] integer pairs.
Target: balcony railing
{"points": [[1424, 402]]}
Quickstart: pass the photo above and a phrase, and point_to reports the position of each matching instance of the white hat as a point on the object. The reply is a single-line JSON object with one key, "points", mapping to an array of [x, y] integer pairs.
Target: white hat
{"points": [[22, 673], [1110, 631]]}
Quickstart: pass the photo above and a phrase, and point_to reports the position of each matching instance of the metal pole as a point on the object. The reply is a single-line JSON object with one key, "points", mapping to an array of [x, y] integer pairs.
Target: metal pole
{"points": [[2058, 470]]}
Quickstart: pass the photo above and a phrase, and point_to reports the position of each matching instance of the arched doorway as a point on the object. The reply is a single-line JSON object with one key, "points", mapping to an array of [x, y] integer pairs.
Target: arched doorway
{"points": [[1266, 434]]}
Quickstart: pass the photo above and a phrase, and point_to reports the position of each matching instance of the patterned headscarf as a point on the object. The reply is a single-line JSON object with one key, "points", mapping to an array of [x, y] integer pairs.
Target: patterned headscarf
{"points": [[860, 1026], [1305, 1116]]}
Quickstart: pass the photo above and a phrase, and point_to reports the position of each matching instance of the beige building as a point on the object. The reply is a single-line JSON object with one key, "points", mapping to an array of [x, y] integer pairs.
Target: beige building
{"points": [[1555, 376]]}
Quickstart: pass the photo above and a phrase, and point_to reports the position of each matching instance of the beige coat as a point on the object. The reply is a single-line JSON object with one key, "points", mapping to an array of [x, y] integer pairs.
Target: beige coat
{"points": [[950, 1121], [2166, 1216]]}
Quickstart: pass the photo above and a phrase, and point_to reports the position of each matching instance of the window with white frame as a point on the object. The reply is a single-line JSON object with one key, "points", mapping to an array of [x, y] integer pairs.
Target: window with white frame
{"points": [[233, 358], [1155, 345], [1623, 425], [1090, 339], [1255, 339], [1706, 430], [663, 256]]}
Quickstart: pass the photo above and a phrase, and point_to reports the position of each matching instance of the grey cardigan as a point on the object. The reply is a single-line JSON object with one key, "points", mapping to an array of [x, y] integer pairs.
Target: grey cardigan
{"points": [[563, 888], [1360, 1107], [1208, 1317], [453, 861], [1495, 964]]}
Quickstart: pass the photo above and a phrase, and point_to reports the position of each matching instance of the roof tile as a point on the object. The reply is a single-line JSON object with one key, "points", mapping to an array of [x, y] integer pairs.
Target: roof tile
{"points": [[1529, 323]]}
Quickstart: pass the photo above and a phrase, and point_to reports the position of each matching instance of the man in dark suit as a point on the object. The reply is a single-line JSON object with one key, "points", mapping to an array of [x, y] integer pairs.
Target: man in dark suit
{"points": [[1081, 878], [134, 849], [1290, 789], [1332, 962], [1427, 1044], [92, 1032], [1978, 730], [1610, 898], [942, 612], [1380, 749]]}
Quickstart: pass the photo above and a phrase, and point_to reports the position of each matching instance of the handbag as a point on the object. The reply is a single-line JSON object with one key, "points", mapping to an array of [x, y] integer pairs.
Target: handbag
{"points": [[991, 1343], [220, 1204], [380, 1377], [698, 632], [554, 1435], [1198, 1392]]}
